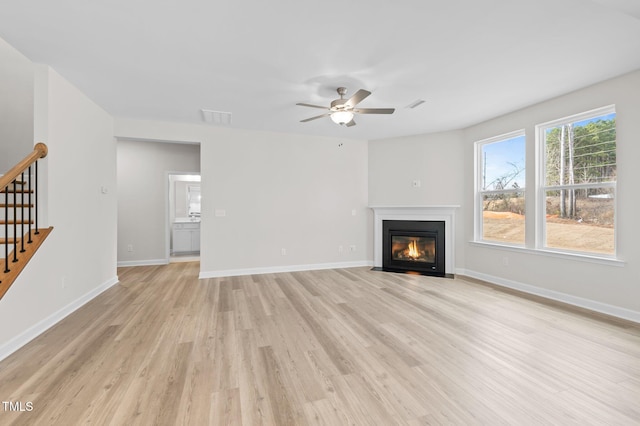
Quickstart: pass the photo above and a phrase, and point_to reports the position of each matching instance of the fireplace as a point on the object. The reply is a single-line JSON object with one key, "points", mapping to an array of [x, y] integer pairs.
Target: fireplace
{"points": [[438, 213], [414, 246]]}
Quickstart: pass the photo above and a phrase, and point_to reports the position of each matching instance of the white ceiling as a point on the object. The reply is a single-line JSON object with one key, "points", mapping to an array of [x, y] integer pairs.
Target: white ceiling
{"points": [[471, 60]]}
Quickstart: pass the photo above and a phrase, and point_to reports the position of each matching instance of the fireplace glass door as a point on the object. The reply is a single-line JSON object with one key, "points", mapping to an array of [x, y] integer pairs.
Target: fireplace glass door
{"points": [[413, 249]]}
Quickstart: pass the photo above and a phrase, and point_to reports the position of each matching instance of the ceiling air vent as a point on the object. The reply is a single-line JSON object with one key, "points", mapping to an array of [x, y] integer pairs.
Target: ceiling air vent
{"points": [[216, 117], [415, 103]]}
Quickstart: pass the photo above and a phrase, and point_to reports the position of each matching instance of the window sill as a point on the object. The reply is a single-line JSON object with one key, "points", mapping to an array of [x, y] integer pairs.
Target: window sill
{"points": [[581, 257]]}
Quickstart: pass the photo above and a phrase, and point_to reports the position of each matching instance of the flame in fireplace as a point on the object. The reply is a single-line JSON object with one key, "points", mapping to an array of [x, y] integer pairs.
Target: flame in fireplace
{"points": [[413, 250]]}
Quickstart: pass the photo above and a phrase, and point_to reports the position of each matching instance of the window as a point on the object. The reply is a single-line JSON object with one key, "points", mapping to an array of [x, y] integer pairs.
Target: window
{"points": [[500, 201], [575, 187], [577, 181]]}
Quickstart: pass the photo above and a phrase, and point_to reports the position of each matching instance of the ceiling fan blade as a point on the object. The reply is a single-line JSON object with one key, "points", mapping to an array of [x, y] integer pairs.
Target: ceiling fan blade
{"points": [[351, 123], [312, 106], [314, 118], [357, 98], [374, 110]]}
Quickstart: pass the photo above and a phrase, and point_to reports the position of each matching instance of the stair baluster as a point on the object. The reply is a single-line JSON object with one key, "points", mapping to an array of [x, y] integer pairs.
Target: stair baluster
{"points": [[37, 231], [6, 233], [22, 182], [15, 223], [30, 205]]}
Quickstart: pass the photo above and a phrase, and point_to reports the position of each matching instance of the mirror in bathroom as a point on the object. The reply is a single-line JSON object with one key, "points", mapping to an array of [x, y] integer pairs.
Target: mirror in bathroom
{"points": [[193, 200]]}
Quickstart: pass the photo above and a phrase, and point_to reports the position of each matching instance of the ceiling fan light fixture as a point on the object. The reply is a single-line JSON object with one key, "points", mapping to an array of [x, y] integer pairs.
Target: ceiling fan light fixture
{"points": [[341, 111], [341, 117]]}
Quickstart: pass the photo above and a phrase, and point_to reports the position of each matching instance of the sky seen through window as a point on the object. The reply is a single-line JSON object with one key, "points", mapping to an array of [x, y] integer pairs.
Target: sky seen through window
{"points": [[504, 161]]}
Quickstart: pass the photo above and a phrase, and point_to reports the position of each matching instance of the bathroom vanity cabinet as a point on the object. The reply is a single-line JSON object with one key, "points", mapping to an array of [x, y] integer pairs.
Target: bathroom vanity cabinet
{"points": [[186, 237]]}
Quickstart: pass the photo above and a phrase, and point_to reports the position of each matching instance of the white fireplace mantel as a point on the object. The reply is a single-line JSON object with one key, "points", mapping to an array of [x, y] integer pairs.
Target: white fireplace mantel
{"points": [[446, 213]]}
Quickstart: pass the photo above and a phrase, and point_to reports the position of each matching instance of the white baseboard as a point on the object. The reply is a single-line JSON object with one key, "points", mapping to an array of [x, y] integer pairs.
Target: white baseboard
{"points": [[592, 305], [285, 268], [31, 333], [149, 262]]}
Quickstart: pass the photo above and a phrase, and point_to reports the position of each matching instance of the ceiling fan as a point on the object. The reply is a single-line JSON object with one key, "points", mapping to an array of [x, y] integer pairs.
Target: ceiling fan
{"points": [[343, 110]]}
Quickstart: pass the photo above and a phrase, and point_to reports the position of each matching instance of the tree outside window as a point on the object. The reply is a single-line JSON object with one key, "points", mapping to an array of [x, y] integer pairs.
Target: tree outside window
{"points": [[577, 204]]}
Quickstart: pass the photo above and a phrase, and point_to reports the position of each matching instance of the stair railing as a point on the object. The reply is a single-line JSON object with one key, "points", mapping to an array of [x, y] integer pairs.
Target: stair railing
{"points": [[20, 218]]}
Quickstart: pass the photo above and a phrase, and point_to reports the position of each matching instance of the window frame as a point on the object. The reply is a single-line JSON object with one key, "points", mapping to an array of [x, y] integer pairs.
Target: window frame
{"points": [[542, 189], [479, 192]]}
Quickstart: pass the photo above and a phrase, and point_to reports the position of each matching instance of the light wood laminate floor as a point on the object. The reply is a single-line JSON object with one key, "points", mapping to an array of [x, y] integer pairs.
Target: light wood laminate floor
{"points": [[332, 347]]}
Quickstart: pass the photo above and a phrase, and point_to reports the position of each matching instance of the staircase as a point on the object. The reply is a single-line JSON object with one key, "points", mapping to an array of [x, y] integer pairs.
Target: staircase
{"points": [[20, 236]]}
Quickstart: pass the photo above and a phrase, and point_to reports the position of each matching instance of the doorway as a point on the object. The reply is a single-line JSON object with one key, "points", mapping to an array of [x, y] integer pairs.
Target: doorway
{"points": [[183, 224]]}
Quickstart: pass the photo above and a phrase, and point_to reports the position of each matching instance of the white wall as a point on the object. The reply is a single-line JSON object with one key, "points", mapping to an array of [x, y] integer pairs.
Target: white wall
{"points": [[278, 191], [142, 195], [283, 191], [78, 260], [608, 288], [16, 106], [436, 160]]}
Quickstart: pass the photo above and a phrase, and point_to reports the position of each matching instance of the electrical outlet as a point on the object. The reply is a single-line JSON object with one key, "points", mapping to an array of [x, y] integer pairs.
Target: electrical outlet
{"points": [[130, 247], [352, 248], [283, 252], [416, 184]]}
